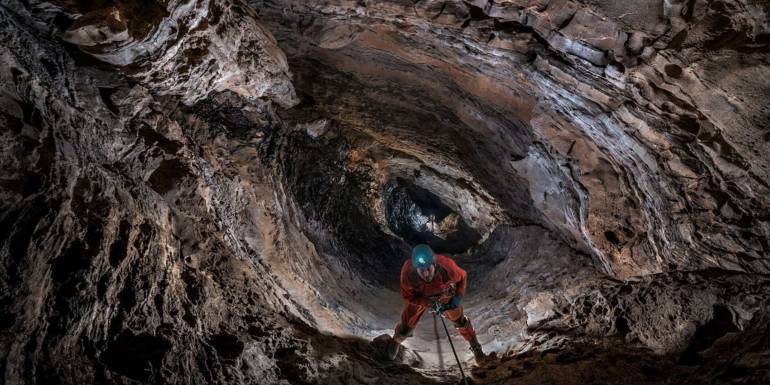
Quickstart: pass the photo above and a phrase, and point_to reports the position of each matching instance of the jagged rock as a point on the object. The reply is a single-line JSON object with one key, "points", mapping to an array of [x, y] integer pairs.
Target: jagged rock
{"points": [[539, 309], [224, 191], [187, 49]]}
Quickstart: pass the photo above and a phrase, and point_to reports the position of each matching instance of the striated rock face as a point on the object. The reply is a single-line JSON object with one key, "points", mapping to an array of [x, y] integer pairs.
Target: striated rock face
{"points": [[224, 191], [585, 110], [207, 46]]}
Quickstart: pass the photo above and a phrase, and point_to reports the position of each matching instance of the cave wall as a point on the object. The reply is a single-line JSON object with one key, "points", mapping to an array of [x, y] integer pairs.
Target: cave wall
{"points": [[201, 186], [132, 252], [640, 125]]}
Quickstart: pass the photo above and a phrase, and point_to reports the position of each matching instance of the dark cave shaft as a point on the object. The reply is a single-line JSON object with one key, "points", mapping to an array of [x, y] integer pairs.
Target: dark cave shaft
{"points": [[224, 192]]}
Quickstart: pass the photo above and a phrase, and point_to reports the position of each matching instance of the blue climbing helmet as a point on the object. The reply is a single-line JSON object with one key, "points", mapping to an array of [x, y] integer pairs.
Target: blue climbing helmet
{"points": [[422, 256]]}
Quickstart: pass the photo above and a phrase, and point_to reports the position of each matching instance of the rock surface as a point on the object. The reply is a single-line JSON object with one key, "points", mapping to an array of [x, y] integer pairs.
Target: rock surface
{"points": [[224, 191]]}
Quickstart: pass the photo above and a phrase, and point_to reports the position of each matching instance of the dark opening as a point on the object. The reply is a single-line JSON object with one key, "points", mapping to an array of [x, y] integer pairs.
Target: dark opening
{"points": [[419, 216]]}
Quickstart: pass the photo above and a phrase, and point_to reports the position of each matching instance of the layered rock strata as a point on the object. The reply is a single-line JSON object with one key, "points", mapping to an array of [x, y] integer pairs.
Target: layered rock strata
{"points": [[224, 192]]}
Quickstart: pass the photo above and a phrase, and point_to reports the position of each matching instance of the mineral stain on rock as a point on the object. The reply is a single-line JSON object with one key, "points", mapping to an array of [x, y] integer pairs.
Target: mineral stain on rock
{"points": [[223, 192]]}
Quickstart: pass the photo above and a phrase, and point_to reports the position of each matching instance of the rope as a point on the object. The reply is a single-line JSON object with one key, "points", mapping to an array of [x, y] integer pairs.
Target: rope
{"points": [[435, 327], [438, 344], [462, 373]]}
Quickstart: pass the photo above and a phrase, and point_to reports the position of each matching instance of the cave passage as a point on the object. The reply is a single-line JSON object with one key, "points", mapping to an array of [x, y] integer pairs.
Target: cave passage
{"points": [[418, 216], [374, 178], [225, 192]]}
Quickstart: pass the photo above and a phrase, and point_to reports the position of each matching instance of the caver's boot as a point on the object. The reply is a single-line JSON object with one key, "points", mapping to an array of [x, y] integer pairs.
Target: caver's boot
{"points": [[478, 353], [395, 344], [465, 328], [393, 348]]}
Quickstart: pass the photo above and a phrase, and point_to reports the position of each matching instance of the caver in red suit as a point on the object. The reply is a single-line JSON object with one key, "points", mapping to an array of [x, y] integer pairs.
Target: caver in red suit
{"points": [[436, 282]]}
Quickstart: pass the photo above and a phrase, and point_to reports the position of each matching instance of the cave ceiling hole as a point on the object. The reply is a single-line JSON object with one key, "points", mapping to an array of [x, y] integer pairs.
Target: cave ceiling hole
{"points": [[417, 216]]}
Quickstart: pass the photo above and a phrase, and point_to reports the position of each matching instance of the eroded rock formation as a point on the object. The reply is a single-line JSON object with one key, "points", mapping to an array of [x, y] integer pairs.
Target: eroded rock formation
{"points": [[224, 191]]}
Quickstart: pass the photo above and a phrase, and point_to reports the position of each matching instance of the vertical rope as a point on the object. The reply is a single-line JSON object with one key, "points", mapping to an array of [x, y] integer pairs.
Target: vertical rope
{"points": [[435, 327], [462, 373], [438, 344]]}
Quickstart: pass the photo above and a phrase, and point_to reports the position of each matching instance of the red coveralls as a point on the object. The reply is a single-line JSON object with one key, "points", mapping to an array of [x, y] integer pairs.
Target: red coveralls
{"points": [[448, 280]]}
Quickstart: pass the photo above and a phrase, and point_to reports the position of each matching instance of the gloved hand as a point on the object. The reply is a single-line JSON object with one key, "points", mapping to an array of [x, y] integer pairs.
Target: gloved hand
{"points": [[451, 305]]}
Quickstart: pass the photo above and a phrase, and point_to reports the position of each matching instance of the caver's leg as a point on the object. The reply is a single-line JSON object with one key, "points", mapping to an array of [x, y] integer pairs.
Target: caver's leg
{"points": [[409, 318], [465, 328]]}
